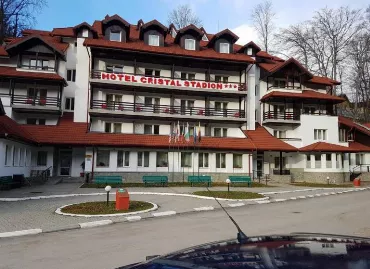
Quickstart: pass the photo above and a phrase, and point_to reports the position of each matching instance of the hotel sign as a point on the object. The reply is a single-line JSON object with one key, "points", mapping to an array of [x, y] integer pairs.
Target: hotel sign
{"points": [[168, 82]]}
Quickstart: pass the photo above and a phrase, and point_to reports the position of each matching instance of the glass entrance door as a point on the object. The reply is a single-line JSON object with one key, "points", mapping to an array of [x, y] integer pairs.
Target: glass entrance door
{"points": [[65, 163]]}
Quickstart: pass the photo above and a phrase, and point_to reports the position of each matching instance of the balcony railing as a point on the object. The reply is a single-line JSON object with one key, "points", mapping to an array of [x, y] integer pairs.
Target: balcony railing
{"points": [[273, 115], [167, 109], [36, 101], [141, 79], [37, 68]]}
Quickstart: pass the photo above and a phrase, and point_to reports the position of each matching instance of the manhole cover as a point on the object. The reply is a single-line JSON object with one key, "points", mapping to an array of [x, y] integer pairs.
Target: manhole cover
{"points": [[36, 192], [296, 212]]}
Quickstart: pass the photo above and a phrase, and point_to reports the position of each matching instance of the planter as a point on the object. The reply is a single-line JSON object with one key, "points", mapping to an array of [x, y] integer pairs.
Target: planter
{"points": [[120, 108], [104, 106], [42, 102], [82, 174], [201, 112]]}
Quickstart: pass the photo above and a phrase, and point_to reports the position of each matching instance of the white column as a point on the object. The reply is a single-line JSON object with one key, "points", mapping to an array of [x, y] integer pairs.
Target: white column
{"points": [[323, 160], [334, 160], [346, 162], [313, 162], [88, 160], [251, 98], [340, 161]]}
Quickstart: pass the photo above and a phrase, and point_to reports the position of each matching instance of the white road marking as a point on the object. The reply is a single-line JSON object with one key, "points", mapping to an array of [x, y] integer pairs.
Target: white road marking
{"points": [[95, 223]]}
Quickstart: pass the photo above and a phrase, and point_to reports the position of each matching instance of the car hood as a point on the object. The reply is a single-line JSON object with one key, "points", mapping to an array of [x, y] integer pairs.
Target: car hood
{"points": [[300, 250]]}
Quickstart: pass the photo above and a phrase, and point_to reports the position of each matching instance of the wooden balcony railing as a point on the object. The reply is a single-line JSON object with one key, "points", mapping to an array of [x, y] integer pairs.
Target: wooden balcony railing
{"points": [[97, 74], [36, 100], [167, 109], [37, 68], [281, 115]]}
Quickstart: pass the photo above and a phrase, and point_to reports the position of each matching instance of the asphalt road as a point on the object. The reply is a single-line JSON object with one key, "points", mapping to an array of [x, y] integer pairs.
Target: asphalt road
{"points": [[120, 244]]}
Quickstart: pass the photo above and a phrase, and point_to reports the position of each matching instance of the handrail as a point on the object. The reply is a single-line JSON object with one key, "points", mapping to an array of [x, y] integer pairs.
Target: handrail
{"points": [[281, 115], [360, 168], [166, 109], [46, 174], [39, 68], [36, 100], [95, 74]]}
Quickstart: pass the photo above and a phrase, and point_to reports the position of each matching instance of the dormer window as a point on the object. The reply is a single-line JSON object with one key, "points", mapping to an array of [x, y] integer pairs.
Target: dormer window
{"points": [[115, 36], [189, 44], [85, 33], [204, 37], [249, 51], [154, 40], [224, 47]]}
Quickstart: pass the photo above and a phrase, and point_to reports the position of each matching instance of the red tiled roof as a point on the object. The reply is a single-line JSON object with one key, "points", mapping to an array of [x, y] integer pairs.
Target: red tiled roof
{"points": [[54, 42], [3, 52], [367, 124], [97, 25], [6, 71], [263, 140], [325, 147], [269, 66], [306, 94], [324, 80], [73, 133], [357, 147], [350, 123], [66, 32], [27, 32], [9, 128], [170, 49]]}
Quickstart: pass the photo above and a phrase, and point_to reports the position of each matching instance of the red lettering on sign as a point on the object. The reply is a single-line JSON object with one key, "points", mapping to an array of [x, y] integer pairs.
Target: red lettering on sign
{"points": [[127, 78], [104, 76], [133, 79], [160, 81], [113, 77], [219, 86], [213, 86], [120, 76], [198, 85], [204, 85], [186, 83], [143, 79], [150, 80], [193, 83], [178, 84], [172, 83], [167, 81]]}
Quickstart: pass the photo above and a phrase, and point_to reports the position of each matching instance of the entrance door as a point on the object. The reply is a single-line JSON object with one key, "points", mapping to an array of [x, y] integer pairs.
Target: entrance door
{"points": [[65, 163]]}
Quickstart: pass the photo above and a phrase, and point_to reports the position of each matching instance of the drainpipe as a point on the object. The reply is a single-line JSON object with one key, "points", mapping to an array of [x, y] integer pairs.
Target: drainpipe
{"points": [[88, 91], [93, 162]]}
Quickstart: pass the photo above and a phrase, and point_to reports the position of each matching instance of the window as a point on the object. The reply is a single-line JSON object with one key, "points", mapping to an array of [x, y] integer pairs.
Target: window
{"points": [[85, 33], [342, 135], [189, 44], [279, 83], [359, 158], [156, 129], [320, 134], [42, 158], [237, 161], [203, 160], [31, 93], [102, 158], [8, 154], [162, 159], [183, 76], [154, 40], [75, 46], [186, 158], [113, 68], [279, 134], [31, 121], [220, 132], [317, 160], [117, 128], [220, 160], [113, 127], [309, 110], [71, 75], [249, 51], [147, 129], [143, 159], [308, 161], [217, 78], [15, 156], [108, 127], [277, 162], [69, 103], [115, 36], [42, 121], [123, 158], [21, 157], [187, 76], [191, 76], [39, 64], [148, 72], [157, 73], [224, 47]]}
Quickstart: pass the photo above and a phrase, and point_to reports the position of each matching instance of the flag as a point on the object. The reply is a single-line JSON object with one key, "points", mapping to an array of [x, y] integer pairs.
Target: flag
{"points": [[187, 133], [177, 131], [195, 134], [199, 135], [170, 135], [183, 132]]}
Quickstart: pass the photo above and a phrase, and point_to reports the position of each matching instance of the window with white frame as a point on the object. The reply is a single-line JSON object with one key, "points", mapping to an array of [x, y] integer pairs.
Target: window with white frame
{"points": [[162, 159], [143, 159], [204, 37], [69, 103], [189, 44], [102, 158], [115, 36], [114, 68], [123, 158], [279, 134], [15, 156], [320, 134], [153, 40], [186, 159], [21, 157], [224, 48], [187, 76], [42, 158], [40, 64], [113, 127], [237, 160], [220, 132], [71, 75], [249, 51], [85, 33], [8, 155], [203, 160], [343, 135], [151, 129], [220, 160]]}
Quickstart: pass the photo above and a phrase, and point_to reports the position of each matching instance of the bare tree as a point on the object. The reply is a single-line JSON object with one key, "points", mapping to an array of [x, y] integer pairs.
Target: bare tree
{"points": [[182, 16], [16, 15], [263, 17]]}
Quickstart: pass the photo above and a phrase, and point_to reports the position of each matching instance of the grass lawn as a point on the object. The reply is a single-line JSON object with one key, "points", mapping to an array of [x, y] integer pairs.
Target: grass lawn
{"points": [[173, 184], [100, 208], [229, 195], [322, 185]]}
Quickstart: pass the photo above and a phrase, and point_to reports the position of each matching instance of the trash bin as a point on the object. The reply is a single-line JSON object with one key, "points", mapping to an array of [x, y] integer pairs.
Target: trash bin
{"points": [[357, 182], [122, 199]]}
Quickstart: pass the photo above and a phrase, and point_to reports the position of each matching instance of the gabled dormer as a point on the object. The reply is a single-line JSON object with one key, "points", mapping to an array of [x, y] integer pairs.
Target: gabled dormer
{"points": [[251, 49], [139, 24], [115, 28], [223, 41], [188, 37], [153, 33], [85, 30]]}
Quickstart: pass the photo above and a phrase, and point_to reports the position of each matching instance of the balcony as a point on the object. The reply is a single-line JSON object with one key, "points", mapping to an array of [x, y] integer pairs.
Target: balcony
{"points": [[137, 110], [157, 83], [32, 104], [281, 117], [36, 68]]}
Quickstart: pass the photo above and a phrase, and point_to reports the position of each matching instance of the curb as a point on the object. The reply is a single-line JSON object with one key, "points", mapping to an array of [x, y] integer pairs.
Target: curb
{"points": [[167, 213]]}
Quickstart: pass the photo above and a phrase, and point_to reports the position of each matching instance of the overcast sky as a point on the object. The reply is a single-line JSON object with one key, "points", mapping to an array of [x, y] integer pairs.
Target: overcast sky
{"points": [[215, 14]]}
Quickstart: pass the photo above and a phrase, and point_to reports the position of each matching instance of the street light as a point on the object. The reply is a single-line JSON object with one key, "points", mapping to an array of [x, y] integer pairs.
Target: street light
{"points": [[228, 184], [327, 179], [108, 189]]}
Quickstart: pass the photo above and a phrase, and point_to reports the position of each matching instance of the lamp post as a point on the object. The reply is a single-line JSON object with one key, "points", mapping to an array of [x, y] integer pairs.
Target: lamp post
{"points": [[328, 180], [108, 189], [228, 184]]}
